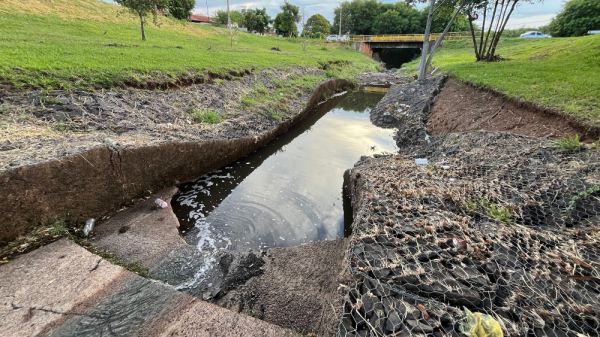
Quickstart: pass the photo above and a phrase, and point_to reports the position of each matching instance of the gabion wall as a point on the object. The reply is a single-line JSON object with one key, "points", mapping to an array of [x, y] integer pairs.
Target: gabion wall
{"points": [[495, 223]]}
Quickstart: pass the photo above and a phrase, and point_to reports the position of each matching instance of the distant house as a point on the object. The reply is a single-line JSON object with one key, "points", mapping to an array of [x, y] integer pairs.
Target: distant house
{"points": [[200, 19]]}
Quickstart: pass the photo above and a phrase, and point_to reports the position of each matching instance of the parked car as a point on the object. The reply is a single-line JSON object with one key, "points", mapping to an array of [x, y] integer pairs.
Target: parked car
{"points": [[593, 32], [338, 38], [535, 35]]}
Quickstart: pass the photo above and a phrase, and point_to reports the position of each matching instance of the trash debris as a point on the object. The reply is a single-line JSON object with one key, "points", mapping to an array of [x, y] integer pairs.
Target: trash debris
{"points": [[421, 161], [280, 94], [89, 226], [393, 167], [427, 139], [480, 325], [161, 203], [434, 70], [445, 167], [188, 121], [452, 180], [399, 110], [387, 117]]}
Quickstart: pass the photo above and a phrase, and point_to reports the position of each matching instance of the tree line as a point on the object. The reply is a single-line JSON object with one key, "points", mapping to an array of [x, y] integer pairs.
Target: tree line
{"points": [[284, 23], [370, 17]]}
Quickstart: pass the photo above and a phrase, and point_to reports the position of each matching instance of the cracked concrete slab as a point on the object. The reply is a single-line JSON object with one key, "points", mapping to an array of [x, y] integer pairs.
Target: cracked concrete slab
{"points": [[64, 290], [46, 287], [141, 233]]}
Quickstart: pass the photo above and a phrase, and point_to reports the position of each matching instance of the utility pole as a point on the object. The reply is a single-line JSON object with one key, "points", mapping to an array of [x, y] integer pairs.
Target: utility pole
{"points": [[207, 13], [228, 19], [340, 34]]}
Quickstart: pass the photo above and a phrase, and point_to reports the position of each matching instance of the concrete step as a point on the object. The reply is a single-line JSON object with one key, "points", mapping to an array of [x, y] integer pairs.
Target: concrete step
{"points": [[64, 290]]}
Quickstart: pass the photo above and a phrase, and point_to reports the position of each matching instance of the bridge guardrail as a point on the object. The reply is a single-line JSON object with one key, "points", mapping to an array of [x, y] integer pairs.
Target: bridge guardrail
{"points": [[407, 37]]}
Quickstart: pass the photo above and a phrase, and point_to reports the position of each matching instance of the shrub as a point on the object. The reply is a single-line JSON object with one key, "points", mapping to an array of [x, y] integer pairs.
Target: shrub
{"points": [[206, 116], [570, 143]]}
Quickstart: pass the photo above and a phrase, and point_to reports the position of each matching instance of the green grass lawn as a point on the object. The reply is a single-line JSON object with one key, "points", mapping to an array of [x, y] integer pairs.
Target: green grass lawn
{"points": [[560, 72], [61, 44]]}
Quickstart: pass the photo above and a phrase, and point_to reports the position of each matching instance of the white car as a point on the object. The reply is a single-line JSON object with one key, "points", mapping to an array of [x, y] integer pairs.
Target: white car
{"points": [[535, 35], [338, 38]]}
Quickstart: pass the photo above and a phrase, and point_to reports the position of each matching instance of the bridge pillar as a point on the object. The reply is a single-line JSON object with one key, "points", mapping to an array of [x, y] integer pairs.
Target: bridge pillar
{"points": [[363, 47]]}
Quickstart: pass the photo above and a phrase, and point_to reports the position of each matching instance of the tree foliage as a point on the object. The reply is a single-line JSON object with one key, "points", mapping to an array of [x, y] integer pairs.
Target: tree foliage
{"points": [[346, 28], [576, 18], [257, 20], [142, 8], [495, 15], [461, 23], [180, 9], [365, 17], [236, 17], [318, 24], [399, 18], [437, 7], [285, 22]]}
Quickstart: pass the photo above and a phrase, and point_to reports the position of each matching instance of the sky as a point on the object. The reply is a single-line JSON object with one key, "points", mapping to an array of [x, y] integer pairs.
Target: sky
{"points": [[525, 15]]}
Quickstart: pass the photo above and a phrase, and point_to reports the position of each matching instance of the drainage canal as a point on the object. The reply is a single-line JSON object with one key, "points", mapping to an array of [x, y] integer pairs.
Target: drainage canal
{"points": [[290, 191]]}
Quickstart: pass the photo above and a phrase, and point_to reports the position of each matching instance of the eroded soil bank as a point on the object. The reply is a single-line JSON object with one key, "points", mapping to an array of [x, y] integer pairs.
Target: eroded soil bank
{"points": [[77, 174], [460, 107], [497, 223]]}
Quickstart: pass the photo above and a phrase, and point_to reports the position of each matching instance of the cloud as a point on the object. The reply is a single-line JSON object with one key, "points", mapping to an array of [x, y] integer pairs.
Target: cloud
{"points": [[525, 15]]}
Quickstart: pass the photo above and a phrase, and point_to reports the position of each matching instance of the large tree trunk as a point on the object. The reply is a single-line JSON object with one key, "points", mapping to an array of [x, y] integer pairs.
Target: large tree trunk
{"points": [[474, 40], [501, 14], [142, 24], [482, 30], [499, 34], [441, 38], [425, 51], [483, 48]]}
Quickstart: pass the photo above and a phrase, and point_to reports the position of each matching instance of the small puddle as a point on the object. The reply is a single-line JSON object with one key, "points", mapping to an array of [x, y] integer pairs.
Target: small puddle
{"points": [[290, 191]]}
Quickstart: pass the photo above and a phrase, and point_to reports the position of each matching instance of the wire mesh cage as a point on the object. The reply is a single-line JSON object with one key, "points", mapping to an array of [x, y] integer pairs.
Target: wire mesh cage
{"points": [[497, 233]]}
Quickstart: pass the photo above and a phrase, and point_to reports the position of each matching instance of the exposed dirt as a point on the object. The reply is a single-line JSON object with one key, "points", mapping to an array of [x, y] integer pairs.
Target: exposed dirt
{"points": [[38, 126], [460, 107]]}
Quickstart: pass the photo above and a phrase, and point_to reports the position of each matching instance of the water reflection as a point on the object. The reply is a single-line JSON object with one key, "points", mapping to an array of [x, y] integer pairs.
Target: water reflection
{"points": [[289, 192]]}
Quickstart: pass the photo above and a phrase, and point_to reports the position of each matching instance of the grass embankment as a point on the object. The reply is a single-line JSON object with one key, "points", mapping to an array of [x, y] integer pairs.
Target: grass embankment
{"points": [[61, 44], [563, 73]]}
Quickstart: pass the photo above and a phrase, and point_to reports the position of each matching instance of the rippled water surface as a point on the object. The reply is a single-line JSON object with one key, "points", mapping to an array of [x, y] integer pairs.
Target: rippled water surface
{"points": [[290, 191]]}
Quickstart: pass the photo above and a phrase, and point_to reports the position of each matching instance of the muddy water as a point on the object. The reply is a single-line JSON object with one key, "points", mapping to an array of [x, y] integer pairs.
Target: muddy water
{"points": [[290, 191]]}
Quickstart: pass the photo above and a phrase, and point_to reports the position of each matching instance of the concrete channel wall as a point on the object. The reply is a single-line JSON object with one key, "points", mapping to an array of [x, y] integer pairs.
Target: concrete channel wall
{"points": [[100, 181]]}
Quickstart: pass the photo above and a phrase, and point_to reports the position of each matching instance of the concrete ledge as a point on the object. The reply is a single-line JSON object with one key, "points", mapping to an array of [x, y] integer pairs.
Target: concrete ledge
{"points": [[63, 290], [98, 182]]}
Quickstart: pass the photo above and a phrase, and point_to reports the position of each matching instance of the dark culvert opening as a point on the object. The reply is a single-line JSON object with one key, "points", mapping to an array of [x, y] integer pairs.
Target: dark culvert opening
{"points": [[396, 57]]}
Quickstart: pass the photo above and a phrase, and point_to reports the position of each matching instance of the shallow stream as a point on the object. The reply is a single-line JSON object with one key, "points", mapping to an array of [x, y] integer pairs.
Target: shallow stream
{"points": [[289, 192]]}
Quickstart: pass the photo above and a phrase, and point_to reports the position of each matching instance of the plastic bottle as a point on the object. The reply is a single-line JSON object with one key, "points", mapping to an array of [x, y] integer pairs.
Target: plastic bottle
{"points": [[161, 203], [89, 226]]}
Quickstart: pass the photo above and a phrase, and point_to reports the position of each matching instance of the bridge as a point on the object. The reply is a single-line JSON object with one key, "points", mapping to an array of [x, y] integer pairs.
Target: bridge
{"points": [[375, 44]]}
